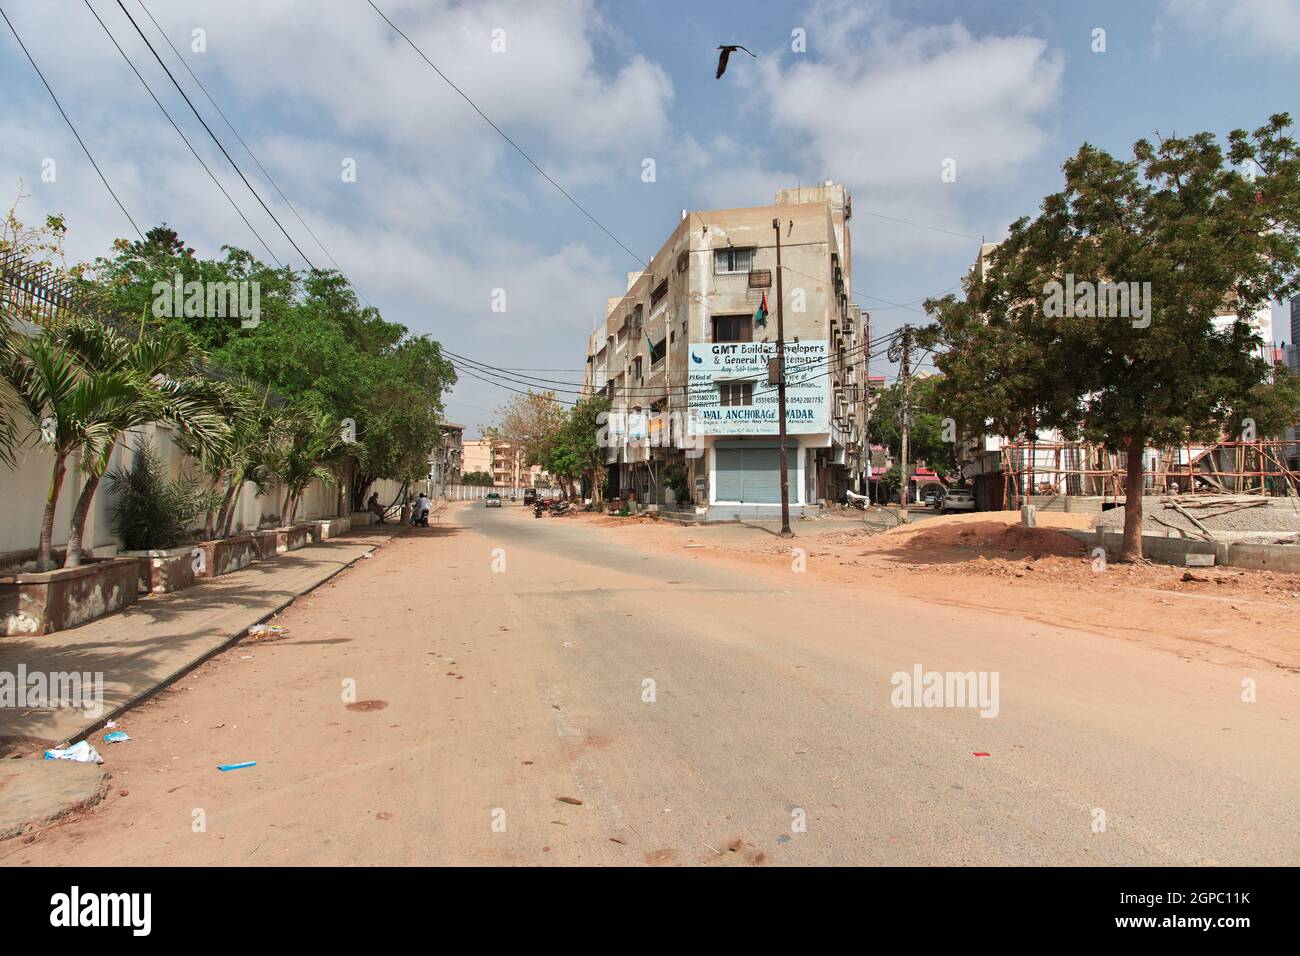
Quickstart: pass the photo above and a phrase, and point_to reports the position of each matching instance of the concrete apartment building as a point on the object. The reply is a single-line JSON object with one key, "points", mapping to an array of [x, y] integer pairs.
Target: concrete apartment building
{"points": [[504, 463], [683, 359]]}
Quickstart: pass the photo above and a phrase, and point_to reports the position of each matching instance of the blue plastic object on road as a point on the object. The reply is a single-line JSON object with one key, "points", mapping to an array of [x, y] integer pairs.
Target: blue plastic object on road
{"points": [[236, 766]]}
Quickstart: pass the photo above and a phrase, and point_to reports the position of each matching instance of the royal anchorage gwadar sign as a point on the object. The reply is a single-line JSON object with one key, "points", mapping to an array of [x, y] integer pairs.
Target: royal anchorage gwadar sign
{"points": [[718, 367]]}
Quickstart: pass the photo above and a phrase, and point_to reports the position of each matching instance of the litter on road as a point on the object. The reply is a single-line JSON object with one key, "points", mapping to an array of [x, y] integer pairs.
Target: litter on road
{"points": [[116, 737], [81, 752], [236, 766]]}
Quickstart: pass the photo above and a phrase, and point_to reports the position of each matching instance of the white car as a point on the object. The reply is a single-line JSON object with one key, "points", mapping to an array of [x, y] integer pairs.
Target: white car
{"points": [[957, 499]]}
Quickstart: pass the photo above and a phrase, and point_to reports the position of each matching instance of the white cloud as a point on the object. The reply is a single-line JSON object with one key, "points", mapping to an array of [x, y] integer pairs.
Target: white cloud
{"points": [[1272, 25], [881, 105]]}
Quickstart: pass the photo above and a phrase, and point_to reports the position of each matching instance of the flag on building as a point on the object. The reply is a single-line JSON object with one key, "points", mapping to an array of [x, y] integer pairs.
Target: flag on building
{"points": [[760, 315]]}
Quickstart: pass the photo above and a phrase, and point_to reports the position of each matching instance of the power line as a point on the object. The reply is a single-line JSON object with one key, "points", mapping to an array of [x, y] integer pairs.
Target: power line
{"points": [[921, 225], [200, 118], [519, 149], [181, 134], [64, 114], [563, 385], [248, 149]]}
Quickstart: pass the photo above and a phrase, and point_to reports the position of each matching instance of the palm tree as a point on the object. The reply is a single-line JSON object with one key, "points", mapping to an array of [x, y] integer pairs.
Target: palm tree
{"points": [[65, 408], [310, 448], [80, 385], [164, 366]]}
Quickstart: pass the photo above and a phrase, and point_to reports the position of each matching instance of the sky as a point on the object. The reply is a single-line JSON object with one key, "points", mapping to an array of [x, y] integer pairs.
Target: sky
{"points": [[443, 216]]}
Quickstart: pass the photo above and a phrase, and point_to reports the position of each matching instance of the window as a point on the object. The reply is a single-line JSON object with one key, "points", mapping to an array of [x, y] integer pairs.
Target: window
{"points": [[658, 295], [733, 328], [728, 261], [657, 352], [735, 393], [636, 367]]}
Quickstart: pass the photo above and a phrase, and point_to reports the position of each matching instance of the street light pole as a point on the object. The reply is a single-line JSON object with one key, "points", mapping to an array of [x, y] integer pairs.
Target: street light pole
{"points": [[780, 389]]}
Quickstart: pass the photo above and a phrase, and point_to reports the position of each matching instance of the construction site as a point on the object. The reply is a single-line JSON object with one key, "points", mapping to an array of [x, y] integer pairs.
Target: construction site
{"points": [[1238, 491]]}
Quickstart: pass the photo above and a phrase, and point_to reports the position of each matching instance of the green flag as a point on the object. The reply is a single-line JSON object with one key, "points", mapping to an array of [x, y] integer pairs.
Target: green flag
{"points": [[760, 315]]}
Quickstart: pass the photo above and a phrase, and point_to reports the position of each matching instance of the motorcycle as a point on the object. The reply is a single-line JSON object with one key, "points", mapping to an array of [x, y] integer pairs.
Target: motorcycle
{"points": [[537, 508]]}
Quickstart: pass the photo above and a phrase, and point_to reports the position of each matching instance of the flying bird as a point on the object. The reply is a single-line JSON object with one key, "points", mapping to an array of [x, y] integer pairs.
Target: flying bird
{"points": [[726, 55]]}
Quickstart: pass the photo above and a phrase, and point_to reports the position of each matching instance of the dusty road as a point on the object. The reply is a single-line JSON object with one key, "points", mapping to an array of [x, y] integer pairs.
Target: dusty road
{"points": [[504, 679]]}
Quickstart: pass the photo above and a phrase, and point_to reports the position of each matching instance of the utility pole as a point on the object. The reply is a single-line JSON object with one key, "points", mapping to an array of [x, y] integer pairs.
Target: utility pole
{"points": [[780, 389], [903, 353]]}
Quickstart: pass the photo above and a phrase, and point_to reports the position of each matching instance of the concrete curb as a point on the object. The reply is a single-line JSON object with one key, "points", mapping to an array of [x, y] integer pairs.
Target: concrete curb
{"points": [[1284, 558], [31, 800]]}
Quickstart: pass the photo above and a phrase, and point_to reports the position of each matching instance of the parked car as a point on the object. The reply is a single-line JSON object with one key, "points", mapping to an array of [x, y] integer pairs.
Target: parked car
{"points": [[932, 499], [957, 499], [493, 500]]}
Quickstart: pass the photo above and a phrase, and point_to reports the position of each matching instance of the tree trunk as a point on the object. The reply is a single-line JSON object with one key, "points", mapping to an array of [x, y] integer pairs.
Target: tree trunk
{"points": [[209, 519], [227, 510], [285, 513], [212, 528], [232, 498], [1134, 481], [44, 562], [79, 515]]}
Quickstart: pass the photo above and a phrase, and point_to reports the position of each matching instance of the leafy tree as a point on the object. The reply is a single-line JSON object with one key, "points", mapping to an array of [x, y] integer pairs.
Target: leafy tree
{"points": [[531, 422], [926, 436], [477, 478], [574, 451], [315, 346], [1194, 233]]}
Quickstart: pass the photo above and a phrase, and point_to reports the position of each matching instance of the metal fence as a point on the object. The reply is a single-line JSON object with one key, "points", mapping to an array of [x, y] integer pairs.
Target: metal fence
{"points": [[36, 293]]}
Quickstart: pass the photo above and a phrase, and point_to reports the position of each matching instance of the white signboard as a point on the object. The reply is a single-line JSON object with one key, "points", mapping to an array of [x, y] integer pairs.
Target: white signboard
{"points": [[715, 367]]}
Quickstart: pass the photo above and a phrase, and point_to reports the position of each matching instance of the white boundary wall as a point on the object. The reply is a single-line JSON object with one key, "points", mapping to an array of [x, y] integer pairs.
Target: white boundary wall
{"points": [[23, 490]]}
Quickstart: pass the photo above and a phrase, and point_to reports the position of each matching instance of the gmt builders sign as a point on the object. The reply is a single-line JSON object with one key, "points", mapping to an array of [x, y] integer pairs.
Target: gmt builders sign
{"points": [[713, 366]]}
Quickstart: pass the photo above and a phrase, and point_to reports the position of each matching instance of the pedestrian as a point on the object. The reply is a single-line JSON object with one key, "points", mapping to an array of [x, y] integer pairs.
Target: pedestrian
{"points": [[420, 510], [375, 508]]}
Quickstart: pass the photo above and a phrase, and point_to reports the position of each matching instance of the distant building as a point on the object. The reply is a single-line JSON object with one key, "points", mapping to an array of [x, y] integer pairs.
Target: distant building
{"points": [[504, 463], [447, 460]]}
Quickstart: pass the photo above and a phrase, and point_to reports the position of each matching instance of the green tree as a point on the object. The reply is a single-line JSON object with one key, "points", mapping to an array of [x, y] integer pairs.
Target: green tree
{"points": [[576, 450], [164, 368], [315, 346], [1183, 231], [926, 437]]}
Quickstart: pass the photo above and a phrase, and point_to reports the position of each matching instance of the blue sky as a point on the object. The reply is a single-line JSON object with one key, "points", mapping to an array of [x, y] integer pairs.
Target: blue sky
{"points": [[443, 212]]}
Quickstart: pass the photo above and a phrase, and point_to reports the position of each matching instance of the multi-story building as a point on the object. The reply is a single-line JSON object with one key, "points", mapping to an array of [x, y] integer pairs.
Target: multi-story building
{"points": [[683, 357], [447, 460], [505, 463]]}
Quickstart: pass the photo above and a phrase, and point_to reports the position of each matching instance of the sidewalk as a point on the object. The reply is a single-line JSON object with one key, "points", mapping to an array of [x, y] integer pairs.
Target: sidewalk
{"points": [[152, 643]]}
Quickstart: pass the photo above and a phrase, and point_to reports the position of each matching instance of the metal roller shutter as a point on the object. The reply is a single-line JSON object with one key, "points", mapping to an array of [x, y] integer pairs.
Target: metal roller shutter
{"points": [[762, 476], [730, 471], [749, 475]]}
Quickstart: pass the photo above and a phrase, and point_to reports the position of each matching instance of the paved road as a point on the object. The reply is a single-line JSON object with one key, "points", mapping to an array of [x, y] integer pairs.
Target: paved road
{"points": [[505, 689]]}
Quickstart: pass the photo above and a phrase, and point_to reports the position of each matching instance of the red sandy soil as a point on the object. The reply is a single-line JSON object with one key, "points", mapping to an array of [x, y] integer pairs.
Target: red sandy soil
{"points": [[988, 561]]}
